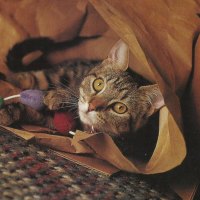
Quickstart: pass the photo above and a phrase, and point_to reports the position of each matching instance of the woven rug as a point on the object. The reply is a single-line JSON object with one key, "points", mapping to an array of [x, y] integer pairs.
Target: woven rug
{"points": [[28, 172]]}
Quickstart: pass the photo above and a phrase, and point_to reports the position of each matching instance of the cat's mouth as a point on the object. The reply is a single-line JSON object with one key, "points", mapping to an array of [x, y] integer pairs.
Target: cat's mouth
{"points": [[86, 117]]}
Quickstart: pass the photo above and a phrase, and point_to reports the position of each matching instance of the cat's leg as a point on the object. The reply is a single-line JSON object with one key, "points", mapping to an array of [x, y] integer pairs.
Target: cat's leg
{"points": [[16, 112], [59, 98]]}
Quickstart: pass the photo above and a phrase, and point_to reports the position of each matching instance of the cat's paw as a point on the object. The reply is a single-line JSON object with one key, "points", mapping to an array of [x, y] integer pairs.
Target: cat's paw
{"points": [[53, 100]]}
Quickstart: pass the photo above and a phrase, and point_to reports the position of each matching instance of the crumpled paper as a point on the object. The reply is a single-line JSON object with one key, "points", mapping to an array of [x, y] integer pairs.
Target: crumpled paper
{"points": [[161, 36]]}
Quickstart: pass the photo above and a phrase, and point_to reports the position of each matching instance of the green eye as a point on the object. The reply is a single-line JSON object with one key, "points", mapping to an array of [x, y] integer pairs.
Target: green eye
{"points": [[120, 108], [98, 84]]}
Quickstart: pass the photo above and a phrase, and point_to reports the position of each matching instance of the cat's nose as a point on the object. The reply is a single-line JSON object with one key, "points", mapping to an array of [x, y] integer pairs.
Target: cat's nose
{"points": [[96, 104], [91, 107]]}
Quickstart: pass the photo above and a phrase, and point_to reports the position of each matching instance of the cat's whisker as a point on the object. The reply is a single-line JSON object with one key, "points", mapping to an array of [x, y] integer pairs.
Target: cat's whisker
{"points": [[60, 83], [69, 104], [69, 99], [66, 87], [77, 117], [70, 107], [72, 93], [52, 86], [72, 110], [69, 92]]}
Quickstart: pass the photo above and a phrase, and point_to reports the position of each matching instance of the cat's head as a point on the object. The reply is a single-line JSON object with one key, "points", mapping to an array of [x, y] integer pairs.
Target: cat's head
{"points": [[111, 101]]}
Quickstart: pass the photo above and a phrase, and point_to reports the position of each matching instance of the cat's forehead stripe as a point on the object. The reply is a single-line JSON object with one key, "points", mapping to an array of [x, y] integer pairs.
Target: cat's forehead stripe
{"points": [[109, 78], [121, 89], [92, 74]]}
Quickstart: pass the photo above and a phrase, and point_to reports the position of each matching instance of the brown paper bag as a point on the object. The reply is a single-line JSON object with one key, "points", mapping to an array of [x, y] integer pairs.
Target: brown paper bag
{"points": [[160, 43], [163, 54]]}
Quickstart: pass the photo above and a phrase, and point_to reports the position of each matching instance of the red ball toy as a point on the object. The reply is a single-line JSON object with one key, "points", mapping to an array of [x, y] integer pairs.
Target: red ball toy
{"points": [[64, 122]]}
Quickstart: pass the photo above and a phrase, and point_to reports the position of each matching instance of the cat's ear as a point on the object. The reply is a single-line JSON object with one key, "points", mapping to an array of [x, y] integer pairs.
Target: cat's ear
{"points": [[154, 96], [120, 55]]}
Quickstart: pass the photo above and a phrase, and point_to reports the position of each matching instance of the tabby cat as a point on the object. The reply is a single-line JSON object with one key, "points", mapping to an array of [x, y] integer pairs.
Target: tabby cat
{"points": [[108, 96]]}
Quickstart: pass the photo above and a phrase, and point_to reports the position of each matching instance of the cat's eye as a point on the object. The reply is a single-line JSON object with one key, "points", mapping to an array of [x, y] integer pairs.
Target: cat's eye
{"points": [[98, 84], [120, 108]]}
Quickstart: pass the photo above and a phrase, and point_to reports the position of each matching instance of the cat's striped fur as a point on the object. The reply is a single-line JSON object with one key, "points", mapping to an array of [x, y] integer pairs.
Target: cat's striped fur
{"points": [[60, 83], [67, 73], [74, 85]]}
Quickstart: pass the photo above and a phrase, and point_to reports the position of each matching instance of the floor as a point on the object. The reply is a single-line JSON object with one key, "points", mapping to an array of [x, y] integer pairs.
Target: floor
{"points": [[28, 171]]}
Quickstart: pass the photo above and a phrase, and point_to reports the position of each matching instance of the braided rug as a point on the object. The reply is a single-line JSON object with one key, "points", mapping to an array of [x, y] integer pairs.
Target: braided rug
{"points": [[28, 172]]}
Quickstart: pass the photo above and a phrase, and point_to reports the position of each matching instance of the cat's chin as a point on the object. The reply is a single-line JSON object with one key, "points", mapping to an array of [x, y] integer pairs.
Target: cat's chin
{"points": [[90, 122], [88, 119]]}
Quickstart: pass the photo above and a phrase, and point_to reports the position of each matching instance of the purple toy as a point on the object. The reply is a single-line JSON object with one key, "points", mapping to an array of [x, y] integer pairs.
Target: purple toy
{"points": [[32, 98]]}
